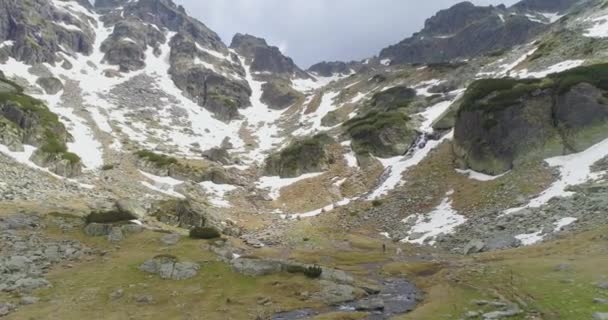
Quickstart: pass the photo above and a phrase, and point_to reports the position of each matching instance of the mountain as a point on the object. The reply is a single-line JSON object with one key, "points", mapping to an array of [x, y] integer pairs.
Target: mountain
{"points": [[148, 169], [465, 30]]}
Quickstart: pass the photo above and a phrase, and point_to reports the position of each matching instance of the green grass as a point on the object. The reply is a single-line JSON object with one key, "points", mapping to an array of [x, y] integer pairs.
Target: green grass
{"points": [[216, 293]]}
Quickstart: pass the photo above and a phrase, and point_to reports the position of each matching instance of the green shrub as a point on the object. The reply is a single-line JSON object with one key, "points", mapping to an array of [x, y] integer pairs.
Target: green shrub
{"points": [[71, 157], [206, 233], [376, 203], [110, 216], [313, 272], [159, 160], [107, 167]]}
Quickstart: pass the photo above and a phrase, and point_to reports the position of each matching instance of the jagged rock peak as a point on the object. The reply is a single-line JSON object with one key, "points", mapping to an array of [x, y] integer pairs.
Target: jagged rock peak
{"points": [[464, 31], [265, 58], [546, 5]]}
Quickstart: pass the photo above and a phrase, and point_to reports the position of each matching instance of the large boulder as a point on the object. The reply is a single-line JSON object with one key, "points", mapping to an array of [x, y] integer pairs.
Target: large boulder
{"points": [[169, 268], [300, 157], [382, 134], [181, 213], [504, 122], [51, 85], [256, 267], [279, 94]]}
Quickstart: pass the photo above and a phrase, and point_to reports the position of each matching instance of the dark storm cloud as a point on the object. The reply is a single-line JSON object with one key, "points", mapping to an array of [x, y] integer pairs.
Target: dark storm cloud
{"points": [[314, 30]]}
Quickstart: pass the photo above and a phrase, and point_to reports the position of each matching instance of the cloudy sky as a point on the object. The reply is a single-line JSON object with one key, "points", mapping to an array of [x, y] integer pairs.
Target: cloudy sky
{"points": [[315, 30]]}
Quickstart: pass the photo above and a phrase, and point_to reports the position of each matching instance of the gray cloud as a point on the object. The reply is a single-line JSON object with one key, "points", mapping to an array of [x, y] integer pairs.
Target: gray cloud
{"points": [[314, 30]]}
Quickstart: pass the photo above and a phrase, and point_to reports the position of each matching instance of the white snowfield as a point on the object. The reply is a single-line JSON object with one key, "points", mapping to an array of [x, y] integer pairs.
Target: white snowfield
{"points": [[599, 28], [574, 169], [442, 220]]}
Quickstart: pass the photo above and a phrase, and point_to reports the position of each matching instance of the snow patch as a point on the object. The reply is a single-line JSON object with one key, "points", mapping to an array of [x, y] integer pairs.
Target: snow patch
{"points": [[559, 67], [275, 184], [218, 193], [599, 28], [479, 176], [574, 169], [528, 239], [165, 185], [442, 220], [564, 222]]}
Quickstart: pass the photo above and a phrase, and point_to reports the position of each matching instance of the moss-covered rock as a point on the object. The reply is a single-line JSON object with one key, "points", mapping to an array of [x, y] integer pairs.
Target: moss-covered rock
{"points": [[383, 134], [206, 233], [503, 122], [279, 94], [393, 99], [179, 213], [25, 120], [300, 157], [51, 85]]}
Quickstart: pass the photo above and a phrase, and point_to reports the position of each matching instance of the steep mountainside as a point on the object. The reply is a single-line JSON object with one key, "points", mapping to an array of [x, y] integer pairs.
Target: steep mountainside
{"points": [[148, 168]]}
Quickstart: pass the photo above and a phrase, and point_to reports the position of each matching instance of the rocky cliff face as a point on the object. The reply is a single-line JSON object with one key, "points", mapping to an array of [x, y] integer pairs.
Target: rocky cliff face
{"points": [[464, 31], [505, 122], [25, 120], [38, 30]]}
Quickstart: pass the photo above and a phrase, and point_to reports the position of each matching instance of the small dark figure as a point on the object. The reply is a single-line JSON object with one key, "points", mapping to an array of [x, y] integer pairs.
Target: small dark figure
{"points": [[384, 247]]}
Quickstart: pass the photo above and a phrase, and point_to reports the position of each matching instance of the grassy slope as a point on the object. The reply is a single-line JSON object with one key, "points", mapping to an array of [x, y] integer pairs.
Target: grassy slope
{"points": [[216, 293]]}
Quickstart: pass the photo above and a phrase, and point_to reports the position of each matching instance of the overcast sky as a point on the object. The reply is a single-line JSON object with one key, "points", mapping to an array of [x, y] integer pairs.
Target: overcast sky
{"points": [[311, 31]]}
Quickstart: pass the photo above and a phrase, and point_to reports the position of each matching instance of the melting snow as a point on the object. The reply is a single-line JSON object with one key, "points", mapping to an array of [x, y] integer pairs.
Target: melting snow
{"points": [[530, 238], [478, 175], [275, 184], [306, 85], [442, 220], [423, 88], [385, 62], [564, 222], [164, 185], [7, 43], [599, 28], [314, 119], [68, 26], [574, 169], [218, 193], [559, 67]]}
